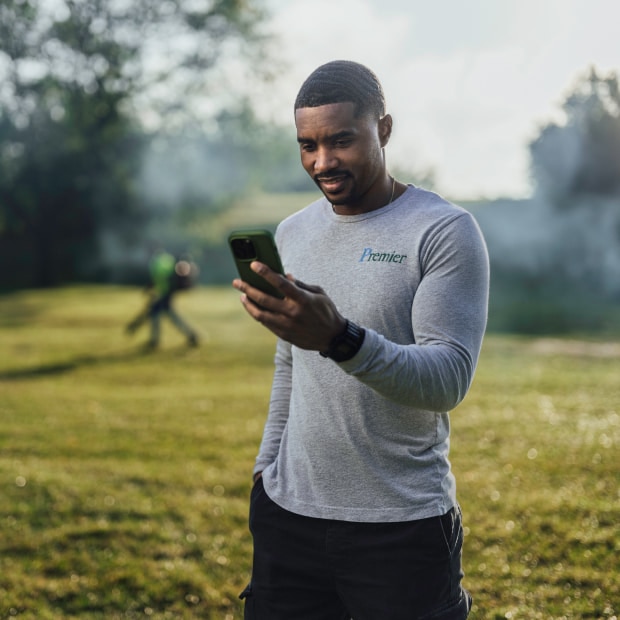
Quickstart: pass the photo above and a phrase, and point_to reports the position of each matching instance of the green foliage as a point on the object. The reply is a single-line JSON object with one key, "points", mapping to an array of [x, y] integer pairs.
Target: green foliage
{"points": [[582, 156], [79, 79], [548, 299], [126, 475], [555, 259]]}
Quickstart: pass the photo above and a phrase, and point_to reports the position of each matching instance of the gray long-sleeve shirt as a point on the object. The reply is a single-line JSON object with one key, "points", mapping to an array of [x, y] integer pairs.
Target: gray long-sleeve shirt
{"points": [[367, 440]]}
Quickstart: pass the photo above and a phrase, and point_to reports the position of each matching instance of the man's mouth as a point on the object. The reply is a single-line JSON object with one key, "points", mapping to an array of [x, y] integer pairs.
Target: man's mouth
{"points": [[332, 184]]}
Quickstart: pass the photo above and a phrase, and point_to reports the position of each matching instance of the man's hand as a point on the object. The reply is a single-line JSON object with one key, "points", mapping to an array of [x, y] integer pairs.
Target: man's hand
{"points": [[306, 317]]}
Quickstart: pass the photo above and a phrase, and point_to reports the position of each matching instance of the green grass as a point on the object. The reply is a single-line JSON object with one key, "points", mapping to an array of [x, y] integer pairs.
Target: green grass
{"points": [[125, 475]]}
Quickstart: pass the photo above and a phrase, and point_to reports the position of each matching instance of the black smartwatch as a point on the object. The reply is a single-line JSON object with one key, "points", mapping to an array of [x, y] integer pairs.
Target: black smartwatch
{"points": [[344, 346]]}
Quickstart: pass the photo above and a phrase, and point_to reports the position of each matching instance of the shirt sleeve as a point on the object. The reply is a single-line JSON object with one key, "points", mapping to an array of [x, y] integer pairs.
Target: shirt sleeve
{"points": [[278, 407], [448, 317]]}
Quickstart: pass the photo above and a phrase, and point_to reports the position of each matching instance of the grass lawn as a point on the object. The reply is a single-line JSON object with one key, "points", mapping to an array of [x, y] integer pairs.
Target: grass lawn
{"points": [[125, 474]]}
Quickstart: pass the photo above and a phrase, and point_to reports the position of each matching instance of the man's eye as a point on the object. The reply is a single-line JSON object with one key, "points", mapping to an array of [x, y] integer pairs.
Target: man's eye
{"points": [[307, 148], [342, 143]]}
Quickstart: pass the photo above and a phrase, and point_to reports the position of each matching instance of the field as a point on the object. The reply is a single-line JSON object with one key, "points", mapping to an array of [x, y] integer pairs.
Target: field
{"points": [[125, 474]]}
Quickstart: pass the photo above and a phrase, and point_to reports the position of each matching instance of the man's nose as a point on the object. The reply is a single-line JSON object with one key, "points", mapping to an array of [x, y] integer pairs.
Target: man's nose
{"points": [[325, 161]]}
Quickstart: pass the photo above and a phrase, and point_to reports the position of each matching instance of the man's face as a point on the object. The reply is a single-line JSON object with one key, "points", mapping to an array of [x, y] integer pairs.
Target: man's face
{"points": [[343, 154]]}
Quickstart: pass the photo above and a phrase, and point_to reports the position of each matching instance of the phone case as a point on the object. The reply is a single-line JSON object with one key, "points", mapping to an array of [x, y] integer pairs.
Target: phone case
{"points": [[250, 245]]}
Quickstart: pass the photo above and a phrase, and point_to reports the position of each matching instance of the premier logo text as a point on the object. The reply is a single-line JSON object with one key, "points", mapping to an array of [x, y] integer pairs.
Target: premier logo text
{"points": [[369, 255]]}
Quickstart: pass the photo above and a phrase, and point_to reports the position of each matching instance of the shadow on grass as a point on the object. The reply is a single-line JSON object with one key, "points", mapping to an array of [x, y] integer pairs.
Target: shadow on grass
{"points": [[17, 312], [58, 368]]}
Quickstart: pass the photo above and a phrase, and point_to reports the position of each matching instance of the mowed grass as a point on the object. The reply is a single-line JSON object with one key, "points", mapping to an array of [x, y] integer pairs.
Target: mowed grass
{"points": [[125, 474]]}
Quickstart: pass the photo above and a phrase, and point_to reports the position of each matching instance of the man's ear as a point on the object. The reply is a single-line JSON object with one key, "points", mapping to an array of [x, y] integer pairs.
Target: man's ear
{"points": [[385, 129]]}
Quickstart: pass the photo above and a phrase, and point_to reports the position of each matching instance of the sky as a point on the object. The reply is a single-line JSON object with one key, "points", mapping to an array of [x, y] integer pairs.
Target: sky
{"points": [[469, 83]]}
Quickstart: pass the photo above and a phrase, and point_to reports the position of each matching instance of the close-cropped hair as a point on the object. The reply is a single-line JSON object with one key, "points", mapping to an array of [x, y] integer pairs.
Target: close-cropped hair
{"points": [[343, 81]]}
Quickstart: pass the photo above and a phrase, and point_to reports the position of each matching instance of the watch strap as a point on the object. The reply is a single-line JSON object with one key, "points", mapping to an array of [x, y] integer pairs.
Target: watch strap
{"points": [[344, 346]]}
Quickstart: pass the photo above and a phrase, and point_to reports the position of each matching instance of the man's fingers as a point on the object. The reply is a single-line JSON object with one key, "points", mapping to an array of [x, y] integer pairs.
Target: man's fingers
{"points": [[257, 298], [275, 279], [287, 285], [269, 310]]}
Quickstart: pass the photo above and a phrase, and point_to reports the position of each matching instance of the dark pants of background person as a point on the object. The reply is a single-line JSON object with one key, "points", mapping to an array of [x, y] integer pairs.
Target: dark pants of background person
{"points": [[163, 305], [319, 569]]}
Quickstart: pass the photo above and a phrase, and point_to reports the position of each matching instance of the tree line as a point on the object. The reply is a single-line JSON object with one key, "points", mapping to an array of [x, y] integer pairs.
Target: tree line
{"points": [[103, 143], [90, 90], [555, 257]]}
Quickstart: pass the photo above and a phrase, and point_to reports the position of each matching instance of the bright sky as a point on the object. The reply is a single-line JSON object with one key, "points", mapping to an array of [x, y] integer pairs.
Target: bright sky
{"points": [[468, 82]]}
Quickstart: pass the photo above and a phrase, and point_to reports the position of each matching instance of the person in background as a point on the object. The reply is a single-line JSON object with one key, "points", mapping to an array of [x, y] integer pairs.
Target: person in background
{"points": [[168, 276], [353, 511]]}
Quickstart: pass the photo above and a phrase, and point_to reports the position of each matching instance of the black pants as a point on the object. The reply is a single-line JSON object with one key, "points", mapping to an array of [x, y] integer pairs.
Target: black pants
{"points": [[319, 569]]}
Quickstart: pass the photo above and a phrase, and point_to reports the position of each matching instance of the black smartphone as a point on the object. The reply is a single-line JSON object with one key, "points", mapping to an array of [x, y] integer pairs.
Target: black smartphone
{"points": [[251, 245]]}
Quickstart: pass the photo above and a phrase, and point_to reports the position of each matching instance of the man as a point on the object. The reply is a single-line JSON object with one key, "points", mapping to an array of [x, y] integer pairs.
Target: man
{"points": [[354, 511], [165, 273]]}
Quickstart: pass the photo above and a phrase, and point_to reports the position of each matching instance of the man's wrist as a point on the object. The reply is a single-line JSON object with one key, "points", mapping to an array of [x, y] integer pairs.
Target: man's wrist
{"points": [[346, 344]]}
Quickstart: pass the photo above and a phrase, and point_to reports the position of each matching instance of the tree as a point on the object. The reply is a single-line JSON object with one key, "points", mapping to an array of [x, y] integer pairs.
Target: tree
{"points": [[556, 258], [582, 156], [81, 81]]}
